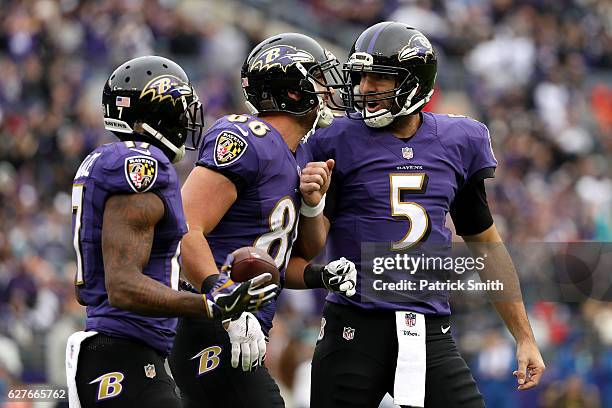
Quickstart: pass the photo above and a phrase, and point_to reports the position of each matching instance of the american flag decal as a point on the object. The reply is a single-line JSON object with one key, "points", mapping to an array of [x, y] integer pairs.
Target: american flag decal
{"points": [[123, 101]]}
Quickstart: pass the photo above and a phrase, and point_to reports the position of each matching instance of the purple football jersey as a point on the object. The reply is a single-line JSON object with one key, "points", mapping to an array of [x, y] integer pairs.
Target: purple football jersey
{"points": [[398, 191], [126, 168], [252, 154]]}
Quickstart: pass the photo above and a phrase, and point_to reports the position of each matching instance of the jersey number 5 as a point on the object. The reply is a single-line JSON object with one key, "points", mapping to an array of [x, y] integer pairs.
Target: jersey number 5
{"points": [[415, 183]]}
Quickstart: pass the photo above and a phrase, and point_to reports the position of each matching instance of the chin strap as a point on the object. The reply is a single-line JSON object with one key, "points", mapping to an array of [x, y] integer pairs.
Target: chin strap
{"points": [[251, 108], [384, 117], [324, 118], [178, 152]]}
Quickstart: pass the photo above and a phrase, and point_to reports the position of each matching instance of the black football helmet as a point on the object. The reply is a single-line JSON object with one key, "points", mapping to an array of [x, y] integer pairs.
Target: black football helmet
{"points": [[395, 49], [150, 99], [290, 62]]}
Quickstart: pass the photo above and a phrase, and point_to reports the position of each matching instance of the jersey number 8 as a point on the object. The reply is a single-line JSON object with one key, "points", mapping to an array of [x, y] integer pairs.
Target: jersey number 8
{"points": [[256, 126], [283, 231]]}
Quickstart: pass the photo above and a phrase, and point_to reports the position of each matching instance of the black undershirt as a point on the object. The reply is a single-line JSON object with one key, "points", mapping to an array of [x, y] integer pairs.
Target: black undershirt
{"points": [[470, 210]]}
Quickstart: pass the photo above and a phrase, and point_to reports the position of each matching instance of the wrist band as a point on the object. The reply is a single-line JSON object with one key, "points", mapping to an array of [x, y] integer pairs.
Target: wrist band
{"points": [[310, 212], [313, 276], [209, 283]]}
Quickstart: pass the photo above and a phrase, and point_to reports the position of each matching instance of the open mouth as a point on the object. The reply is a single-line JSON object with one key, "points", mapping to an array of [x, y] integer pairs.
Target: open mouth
{"points": [[373, 106]]}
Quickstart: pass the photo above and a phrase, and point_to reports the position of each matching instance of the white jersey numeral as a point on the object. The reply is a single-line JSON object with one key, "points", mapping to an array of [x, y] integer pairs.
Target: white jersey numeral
{"points": [[175, 268], [416, 214], [77, 211], [283, 230]]}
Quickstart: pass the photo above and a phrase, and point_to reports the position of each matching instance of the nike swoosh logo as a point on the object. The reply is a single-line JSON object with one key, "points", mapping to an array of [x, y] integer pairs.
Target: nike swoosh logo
{"points": [[147, 152], [229, 309], [244, 132], [445, 329]]}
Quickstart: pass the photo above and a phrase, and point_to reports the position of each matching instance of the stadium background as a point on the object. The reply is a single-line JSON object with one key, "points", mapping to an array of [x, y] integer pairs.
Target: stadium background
{"points": [[537, 72]]}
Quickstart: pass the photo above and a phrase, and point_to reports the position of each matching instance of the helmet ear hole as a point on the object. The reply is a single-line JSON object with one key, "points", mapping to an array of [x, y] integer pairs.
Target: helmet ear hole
{"points": [[294, 95]]}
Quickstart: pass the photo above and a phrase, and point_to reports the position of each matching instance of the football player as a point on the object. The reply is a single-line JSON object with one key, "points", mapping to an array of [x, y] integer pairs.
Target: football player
{"points": [[398, 172], [245, 190], [128, 223]]}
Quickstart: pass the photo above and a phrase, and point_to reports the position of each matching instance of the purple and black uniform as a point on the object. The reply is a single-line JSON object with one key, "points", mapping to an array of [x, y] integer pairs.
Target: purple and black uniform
{"points": [[395, 193], [267, 176], [398, 192], [255, 157], [126, 168], [126, 358]]}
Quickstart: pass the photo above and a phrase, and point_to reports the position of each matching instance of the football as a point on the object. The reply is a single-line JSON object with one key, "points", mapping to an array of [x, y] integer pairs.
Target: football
{"points": [[250, 262]]}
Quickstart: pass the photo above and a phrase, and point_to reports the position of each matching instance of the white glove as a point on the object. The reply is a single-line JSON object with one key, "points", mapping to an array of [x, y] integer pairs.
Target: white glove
{"points": [[340, 276], [247, 339]]}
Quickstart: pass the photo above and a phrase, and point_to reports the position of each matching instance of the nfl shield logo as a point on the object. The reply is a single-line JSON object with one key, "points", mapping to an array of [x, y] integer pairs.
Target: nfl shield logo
{"points": [[410, 319], [150, 370], [407, 153], [348, 333]]}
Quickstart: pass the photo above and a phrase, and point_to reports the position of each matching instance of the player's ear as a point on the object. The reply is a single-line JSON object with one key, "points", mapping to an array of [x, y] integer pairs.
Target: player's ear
{"points": [[296, 96]]}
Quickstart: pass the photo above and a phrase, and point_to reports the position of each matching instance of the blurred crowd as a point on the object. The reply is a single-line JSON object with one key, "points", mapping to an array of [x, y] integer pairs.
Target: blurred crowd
{"points": [[537, 72]]}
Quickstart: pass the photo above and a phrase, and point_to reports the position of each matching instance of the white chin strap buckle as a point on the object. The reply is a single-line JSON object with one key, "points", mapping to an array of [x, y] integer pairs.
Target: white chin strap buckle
{"points": [[325, 117]]}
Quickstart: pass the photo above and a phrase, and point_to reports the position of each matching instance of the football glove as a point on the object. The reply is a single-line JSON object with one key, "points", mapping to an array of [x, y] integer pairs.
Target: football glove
{"points": [[247, 340], [337, 276], [228, 298]]}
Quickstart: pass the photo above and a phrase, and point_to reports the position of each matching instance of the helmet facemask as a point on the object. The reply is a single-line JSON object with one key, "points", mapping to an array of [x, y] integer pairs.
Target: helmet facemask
{"points": [[391, 49], [325, 78], [405, 97], [186, 133]]}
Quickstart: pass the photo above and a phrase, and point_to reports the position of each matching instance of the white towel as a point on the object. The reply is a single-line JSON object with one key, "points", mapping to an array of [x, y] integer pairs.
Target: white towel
{"points": [[73, 347], [409, 386]]}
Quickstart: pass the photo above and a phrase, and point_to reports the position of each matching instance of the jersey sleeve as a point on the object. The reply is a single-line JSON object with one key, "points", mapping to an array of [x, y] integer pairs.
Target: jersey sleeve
{"points": [[228, 152], [126, 170], [482, 162], [470, 210]]}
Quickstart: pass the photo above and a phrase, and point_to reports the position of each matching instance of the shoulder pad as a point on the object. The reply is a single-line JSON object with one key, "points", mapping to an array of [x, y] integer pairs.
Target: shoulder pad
{"points": [[135, 167]]}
